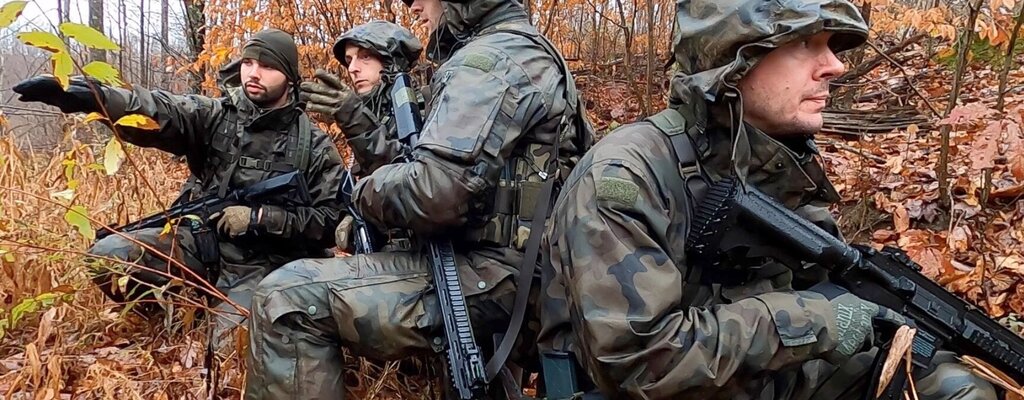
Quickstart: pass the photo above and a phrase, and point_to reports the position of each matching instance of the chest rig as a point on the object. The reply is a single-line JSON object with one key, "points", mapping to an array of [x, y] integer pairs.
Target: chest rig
{"points": [[513, 207], [225, 152]]}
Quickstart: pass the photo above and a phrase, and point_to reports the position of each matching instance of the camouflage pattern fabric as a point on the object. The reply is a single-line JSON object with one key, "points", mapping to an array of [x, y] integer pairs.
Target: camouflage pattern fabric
{"points": [[616, 290], [397, 46], [149, 270], [366, 120], [213, 134], [492, 99], [617, 276], [718, 41]]}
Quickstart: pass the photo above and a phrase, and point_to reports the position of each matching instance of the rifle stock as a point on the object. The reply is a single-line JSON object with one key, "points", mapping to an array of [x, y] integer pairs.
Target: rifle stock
{"points": [[733, 223]]}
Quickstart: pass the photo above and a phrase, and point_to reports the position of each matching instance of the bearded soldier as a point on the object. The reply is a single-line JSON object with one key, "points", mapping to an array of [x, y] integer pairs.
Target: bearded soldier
{"points": [[504, 121], [257, 131], [620, 293]]}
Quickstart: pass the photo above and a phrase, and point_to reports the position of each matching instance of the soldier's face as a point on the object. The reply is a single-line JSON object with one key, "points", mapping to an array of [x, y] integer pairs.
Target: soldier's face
{"points": [[428, 12], [783, 95], [364, 66], [265, 86]]}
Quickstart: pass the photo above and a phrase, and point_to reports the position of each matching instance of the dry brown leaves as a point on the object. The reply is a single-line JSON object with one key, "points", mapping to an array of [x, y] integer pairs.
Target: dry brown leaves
{"points": [[975, 248]]}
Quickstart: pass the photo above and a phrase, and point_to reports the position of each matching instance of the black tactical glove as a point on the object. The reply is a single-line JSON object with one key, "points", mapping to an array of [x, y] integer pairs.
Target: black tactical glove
{"points": [[329, 96], [79, 97], [855, 317]]}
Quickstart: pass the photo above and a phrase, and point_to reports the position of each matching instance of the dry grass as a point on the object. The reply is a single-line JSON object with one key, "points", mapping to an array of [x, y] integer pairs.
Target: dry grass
{"points": [[74, 343]]}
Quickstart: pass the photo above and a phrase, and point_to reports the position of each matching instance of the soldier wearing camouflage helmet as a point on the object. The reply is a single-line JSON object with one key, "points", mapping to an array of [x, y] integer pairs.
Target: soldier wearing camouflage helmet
{"points": [[372, 53], [619, 293], [504, 124], [256, 131]]}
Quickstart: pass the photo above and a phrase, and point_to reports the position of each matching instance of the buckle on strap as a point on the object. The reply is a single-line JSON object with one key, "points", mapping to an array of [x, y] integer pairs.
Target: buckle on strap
{"points": [[254, 163]]}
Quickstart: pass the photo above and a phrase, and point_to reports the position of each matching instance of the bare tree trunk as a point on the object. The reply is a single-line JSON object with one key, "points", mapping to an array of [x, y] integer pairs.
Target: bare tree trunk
{"points": [[96, 22], [63, 11], [195, 35], [648, 102], [67, 10], [551, 16], [627, 33], [143, 51], [164, 42], [961, 64], [1008, 61], [856, 58], [596, 44], [122, 18]]}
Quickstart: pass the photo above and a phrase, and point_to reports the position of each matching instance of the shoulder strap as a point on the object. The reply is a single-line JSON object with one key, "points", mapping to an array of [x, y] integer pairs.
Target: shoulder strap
{"points": [[671, 123], [304, 145]]}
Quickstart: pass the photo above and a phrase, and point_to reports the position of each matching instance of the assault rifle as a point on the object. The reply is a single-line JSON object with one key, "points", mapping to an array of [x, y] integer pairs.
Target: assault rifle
{"points": [[733, 224], [363, 239], [209, 205], [465, 360]]}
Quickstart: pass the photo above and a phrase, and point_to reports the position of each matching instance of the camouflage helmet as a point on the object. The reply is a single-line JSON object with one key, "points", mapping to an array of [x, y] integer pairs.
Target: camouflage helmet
{"points": [[397, 47], [717, 41]]}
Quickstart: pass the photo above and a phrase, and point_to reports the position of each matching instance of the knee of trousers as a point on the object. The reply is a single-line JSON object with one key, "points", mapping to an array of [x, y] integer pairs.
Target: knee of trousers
{"points": [[110, 248], [296, 287], [953, 381], [285, 362]]}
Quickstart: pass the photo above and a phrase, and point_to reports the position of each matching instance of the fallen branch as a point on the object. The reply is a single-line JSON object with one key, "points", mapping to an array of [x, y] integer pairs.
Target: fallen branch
{"points": [[844, 146], [910, 81], [877, 60]]}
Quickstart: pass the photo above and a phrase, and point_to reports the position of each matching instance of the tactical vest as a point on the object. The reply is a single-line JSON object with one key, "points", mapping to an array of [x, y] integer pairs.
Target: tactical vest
{"points": [[225, 146], [522, 181], [521, 202]]}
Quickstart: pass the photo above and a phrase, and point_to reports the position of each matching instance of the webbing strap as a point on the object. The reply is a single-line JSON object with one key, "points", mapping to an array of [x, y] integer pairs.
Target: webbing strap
{"points": [[671, 123], [542, 207]]}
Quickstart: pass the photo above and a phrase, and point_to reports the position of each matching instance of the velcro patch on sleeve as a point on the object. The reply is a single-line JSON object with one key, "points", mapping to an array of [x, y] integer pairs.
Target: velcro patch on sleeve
{"points": [[618, 190], [479, 61]]}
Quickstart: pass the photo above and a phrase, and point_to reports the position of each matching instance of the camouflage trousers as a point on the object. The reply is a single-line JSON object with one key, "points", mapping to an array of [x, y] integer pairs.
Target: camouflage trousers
{"points": [[945, 379], [149, 269], [380, 306]]}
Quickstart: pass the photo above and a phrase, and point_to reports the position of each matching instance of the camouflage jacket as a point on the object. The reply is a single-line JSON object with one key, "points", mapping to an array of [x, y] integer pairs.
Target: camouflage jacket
{"points": [[366, 120], [617, 247], [498, 97], [370, 131], [207, 131]]}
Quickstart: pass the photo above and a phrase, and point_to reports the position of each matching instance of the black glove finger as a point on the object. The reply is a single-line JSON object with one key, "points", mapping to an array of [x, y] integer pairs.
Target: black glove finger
{"points": [[320, 109], [304, 96], [331, 80], [313, 87], [323, 100], [39, 88]]}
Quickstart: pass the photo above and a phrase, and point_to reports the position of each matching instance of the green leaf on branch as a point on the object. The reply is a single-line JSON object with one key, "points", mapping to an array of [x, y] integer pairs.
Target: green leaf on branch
{"points": [[88, 36], [106, 73], [113, 155], [10, 11], [78, 217], [43, 40]]}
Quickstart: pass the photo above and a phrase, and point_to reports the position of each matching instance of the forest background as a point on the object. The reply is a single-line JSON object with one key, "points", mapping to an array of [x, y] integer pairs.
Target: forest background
{"points": [[923, 140]]}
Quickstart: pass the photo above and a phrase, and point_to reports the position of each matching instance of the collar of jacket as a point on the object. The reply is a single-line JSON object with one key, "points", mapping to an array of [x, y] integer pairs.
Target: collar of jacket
{"points": [[454, 35], [785, 170]]}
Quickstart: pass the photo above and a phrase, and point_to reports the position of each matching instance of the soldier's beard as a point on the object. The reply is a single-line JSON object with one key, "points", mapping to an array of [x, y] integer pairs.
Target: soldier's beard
{"points": [[271, 97]]}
